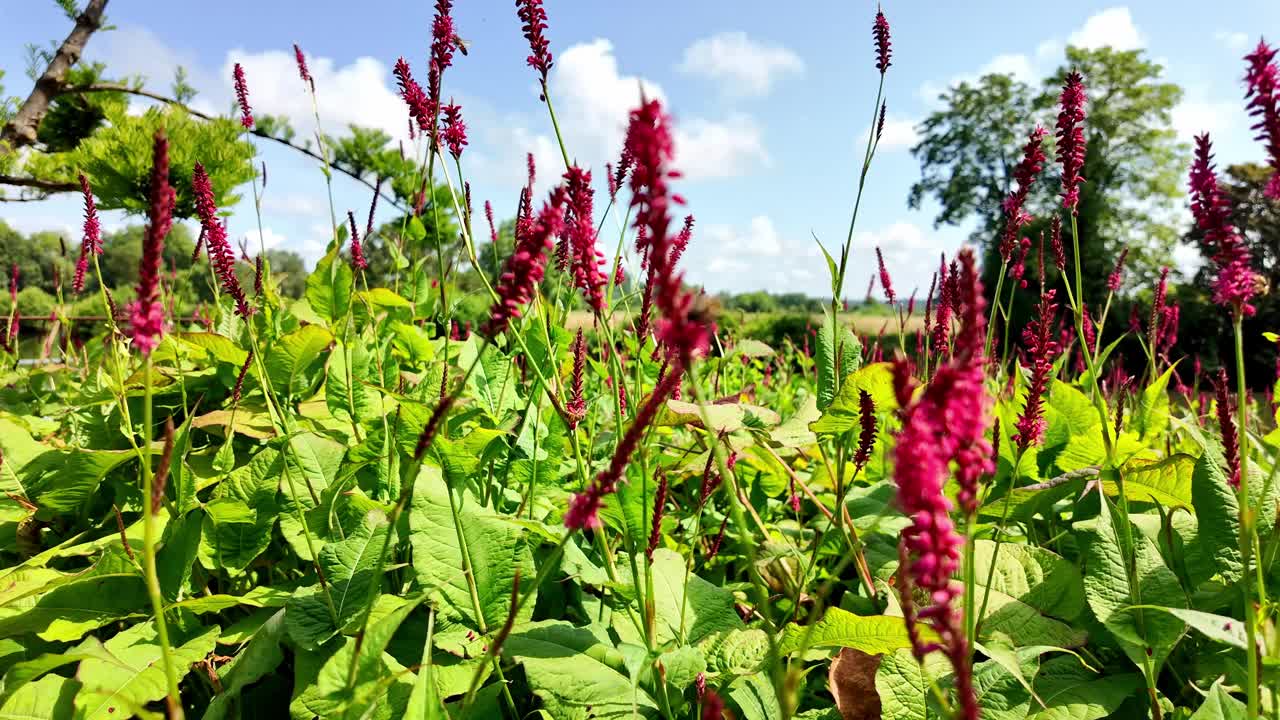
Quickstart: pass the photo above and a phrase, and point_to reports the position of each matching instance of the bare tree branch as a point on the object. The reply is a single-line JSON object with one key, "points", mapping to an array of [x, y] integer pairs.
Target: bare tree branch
{"points": [[22, 129], [112, 87], [38, 184]]}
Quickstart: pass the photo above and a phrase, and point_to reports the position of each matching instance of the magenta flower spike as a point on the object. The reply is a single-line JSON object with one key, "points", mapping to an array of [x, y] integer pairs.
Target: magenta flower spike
{"points": [[146, 313], [1070, 136], [242, 96]]}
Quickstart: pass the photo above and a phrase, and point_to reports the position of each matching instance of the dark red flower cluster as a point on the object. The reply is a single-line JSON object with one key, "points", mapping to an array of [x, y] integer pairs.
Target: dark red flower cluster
{"points": [[1070, 137], [867, 433], [584, 507], [1042, 350], [420, 108], [945, 425], [1234, 286], [880, 31], [527, 264], [242, 96], [1263, 94], [303, 71], [584, 256], [92, 243], [221, 255], [681, 243], [146, 313], [1117, 275], [1024, 175], [886, 282], [650, 143], [534, 19], [576, 407], [443, 42], [1060, 251], [454, 132], [358, 260], [659, 509], [947, 293]]}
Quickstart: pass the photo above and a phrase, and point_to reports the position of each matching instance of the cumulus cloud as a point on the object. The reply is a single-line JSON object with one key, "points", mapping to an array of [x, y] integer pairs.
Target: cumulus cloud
{"points": [[1112, 28], [759, 237], [743, 66], [1233, 41]]}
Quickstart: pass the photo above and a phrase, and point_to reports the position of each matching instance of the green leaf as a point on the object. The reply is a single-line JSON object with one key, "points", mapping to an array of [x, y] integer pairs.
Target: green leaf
{"points": [[384, 297], [1071, 692], [493, 383], [261, 656], [50, 697], [360, 697], [329, 287], [756, 697], [496, 548], [291, 358], [576, 673], [902, 688], [67, 612], [138, 678], [1166, 482], [348, 399], [682, 601], [1109, 589], [348, 568], [220, 347], [1226, 630], [1219, 705], [18, 675], [723, 417], [834, 366], [844, 412], [61, 481], [1031, 575], [1217, 514], [874, 635], [1151, 418]]}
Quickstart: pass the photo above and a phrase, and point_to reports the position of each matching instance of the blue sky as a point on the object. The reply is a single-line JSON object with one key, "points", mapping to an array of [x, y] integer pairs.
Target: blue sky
{"points": [[772, 102]]}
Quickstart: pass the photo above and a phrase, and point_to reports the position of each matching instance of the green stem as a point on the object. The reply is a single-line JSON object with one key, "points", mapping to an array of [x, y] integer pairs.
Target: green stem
{"points": [[1246, 521], [149, 552]]}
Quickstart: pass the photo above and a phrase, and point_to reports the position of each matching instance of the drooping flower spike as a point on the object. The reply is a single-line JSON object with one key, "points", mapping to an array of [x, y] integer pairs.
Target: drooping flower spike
{"points": [[534, 23], [358, 260], [1024, 175], [586, 259], [1042, 351], [454, 132], [1227, 426], [420, 109], [527, 264], [886, 282], [303, 71], [221, 256]]}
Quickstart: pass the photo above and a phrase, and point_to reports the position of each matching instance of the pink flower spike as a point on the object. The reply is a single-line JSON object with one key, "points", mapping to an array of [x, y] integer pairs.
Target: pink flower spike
{"points": [[242, 96], [885, 281], [880, 31], [1235, 283], [357, 250], [92, 243], [146, 313], [1263, 82], [534, 23], [1070, 136], [221, 256], [527, 264], [303, 72], [454, 133]]}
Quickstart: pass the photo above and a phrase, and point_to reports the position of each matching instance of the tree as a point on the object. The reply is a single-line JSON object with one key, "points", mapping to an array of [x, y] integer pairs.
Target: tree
{"points": [[1132, 166]]}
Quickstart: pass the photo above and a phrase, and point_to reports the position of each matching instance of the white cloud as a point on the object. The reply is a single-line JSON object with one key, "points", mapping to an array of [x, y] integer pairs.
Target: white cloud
{"points": [[760, 237], [292, 203], [899, 133], [743, 66], [588, 86], [910, 254], [1193, 117], [727, 264], [1112, 28], [1233, 41], [271, 239]]}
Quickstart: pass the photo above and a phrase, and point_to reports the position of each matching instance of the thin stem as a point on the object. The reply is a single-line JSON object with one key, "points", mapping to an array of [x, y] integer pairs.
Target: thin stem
{"points": [[149, 551], [1246, 520]]}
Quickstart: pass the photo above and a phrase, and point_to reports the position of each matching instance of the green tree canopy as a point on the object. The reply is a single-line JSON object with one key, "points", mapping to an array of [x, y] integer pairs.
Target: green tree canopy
{"points": [[1132, 168]]}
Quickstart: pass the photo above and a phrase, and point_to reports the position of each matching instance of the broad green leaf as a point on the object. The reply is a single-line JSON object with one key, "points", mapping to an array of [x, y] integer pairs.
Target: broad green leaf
{"points": [[1226, 630], [61, 481], [19, 674], [839, 355], [1219, 705], [1151, 418], [329, 287], [682, 602], [752, 348], [67, 612], [844, 412], [874, 635], [220, 347], [1071, 692], [756, 698], [577, 673], [795, 432], [141, 680], [1031, 575], [901, 686], [384, 297], [360, 697], [262, 655], [49, 698], [345, 392], [18, 449], [723, 418], [493, 383], [496, 548], [292, 357], [1110, 589], [1166, 482], [1218, 514], [349, 568], [311, 468]]}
